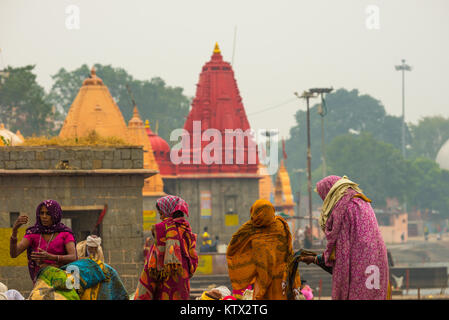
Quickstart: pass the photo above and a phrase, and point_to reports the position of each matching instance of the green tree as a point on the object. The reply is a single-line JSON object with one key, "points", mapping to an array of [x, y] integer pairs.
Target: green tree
{"points": [[376, 166], [347, 111], [23, 103], [427, 185], [155, 100], [428, 136]]}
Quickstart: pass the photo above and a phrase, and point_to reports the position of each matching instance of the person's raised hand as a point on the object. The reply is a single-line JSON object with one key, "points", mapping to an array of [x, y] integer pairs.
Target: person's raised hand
{"points": [[21, 220]]}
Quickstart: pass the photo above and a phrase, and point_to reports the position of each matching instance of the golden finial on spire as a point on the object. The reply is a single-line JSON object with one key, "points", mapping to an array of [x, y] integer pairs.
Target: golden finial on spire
{"points": [[147, 124], [93, 73], [217, 48], [136, 112]]}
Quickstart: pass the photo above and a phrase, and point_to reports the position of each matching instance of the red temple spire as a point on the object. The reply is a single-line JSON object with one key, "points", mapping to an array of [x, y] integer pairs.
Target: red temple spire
{"points": [[218, 105]]}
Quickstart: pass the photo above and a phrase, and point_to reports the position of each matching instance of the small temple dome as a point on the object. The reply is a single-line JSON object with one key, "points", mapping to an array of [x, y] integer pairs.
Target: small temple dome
{"points": [[11, 138], [443, 156], [161, 151], [159, 145]]}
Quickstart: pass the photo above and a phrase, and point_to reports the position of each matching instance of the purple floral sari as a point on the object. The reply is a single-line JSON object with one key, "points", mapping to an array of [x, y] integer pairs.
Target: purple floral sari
{"points": [[360, 266]]}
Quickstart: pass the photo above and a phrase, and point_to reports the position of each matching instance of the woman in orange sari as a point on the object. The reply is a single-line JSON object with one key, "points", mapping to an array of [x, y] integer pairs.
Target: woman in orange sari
{"points": [[259, 252], [172, 259]]}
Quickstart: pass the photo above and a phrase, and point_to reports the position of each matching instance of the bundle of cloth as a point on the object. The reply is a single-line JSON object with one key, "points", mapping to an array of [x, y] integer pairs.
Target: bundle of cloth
{"points": [[218, 293], [84, 279], [9, 294]]}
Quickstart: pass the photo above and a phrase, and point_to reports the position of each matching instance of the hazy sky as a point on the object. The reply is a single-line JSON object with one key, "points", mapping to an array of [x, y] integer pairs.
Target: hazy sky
{"points": [[281, 46]]}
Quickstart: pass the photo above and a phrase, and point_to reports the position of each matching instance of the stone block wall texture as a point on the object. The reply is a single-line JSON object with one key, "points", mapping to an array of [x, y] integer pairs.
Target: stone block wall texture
{"points": [[122, 236], [79, 158], [243, 192]]}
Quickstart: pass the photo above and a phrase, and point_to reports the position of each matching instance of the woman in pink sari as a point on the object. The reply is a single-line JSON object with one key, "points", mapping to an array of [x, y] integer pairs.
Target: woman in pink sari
{"points": [[355, 253], [48, 243]]}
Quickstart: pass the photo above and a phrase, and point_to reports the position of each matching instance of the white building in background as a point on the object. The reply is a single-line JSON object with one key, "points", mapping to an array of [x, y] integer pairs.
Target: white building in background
{"points": [[443, 156]]}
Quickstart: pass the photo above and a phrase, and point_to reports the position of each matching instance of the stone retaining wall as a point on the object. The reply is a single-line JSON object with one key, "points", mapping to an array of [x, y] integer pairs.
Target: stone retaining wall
{"points": [[82, 192], [85, 158]]}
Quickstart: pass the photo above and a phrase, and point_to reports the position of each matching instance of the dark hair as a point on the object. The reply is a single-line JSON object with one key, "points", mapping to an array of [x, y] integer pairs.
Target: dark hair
{"points": [[178, 214]]}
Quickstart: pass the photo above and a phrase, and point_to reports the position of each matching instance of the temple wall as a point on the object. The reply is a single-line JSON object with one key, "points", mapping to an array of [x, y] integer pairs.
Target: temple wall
{"points": [[237, 194], [81, 195]]}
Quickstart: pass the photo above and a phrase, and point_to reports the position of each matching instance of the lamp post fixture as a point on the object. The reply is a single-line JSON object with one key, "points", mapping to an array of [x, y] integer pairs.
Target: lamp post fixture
{"points": [[403, 67], [307, 95], [269, 134], [322, 111]]}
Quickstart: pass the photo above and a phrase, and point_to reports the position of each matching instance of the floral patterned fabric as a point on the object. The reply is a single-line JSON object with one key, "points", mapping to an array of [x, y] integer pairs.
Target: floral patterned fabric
{"points": [[170, 264], [360, 268]]}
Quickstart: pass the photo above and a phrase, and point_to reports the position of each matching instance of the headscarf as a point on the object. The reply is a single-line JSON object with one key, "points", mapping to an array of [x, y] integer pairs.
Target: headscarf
{"points": [[55, 211], [332, 189], [93, 242], [259, 251], [170, 204]]}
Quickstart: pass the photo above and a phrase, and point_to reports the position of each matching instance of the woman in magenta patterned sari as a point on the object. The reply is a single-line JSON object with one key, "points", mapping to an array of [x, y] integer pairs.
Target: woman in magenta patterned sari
{"points": [[355, 251], [172, 259], [48, 243]]}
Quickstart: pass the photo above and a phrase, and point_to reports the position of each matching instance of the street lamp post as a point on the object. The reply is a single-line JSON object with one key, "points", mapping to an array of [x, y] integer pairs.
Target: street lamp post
{"points": [[403, 67], [322, 112], [307, 95], [298, 201]]}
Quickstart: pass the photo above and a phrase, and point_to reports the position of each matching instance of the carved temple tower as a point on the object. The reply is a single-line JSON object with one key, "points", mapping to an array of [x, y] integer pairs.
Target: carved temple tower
{"points": [[218, 166]]}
